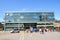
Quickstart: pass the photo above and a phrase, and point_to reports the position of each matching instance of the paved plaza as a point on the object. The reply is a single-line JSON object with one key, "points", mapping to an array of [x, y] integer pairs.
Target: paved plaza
{"points": [[29, 36]]}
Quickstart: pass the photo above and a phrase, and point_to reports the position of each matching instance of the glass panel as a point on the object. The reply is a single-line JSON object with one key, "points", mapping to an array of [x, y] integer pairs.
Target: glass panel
{"points": [[29, 16]]}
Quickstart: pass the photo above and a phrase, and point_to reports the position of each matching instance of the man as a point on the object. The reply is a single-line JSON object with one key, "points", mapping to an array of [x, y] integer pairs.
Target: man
{"points": [[31, 29], [42, 31]]}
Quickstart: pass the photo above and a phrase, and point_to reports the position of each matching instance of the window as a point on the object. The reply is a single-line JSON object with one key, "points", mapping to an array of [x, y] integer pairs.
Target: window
{"points": [[49, 17], [21, 17], [35, 17], [49, 23], [41, 24], [11, 14]]}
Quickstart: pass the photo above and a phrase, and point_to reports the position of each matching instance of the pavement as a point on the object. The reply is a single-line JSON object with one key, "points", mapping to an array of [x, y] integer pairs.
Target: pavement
{"points": [[6, 35]]}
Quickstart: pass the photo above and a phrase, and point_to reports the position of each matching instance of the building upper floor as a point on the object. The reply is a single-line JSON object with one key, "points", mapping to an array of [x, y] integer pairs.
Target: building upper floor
{"points": [[29, 16]]}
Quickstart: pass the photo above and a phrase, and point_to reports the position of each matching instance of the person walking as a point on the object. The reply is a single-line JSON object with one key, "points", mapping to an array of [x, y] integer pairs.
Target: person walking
{"points": [[42, 30], [31, 29]]}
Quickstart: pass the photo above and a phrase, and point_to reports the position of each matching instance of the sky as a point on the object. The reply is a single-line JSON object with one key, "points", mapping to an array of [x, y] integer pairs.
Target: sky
{"points": [[30, 5]]}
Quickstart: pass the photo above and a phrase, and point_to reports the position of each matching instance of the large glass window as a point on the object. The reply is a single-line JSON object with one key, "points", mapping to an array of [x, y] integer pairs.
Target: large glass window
{"points": [[50, 17], [29, 16]]}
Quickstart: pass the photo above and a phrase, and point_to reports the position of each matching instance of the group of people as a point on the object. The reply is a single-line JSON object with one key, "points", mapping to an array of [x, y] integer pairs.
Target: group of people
{"points": [[41, 30], [45, 30]]}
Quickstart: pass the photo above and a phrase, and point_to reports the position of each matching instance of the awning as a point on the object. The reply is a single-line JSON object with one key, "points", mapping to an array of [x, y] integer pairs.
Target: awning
{"points": [[57, 27]]}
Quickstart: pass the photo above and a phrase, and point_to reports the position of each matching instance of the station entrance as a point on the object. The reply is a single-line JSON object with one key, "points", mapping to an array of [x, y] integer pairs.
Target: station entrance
{"points": [[28, 25]]}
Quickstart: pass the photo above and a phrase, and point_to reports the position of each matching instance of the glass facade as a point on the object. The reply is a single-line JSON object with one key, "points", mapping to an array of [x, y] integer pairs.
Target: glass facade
{"points": [[22, 17], [17, 19]]}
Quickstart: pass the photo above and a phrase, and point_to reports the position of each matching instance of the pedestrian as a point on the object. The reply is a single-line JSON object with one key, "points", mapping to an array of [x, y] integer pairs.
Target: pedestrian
{"points": [[31, 29], [42, 31]]}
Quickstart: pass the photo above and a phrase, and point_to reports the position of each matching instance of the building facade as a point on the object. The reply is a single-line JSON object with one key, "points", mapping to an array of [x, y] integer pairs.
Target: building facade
{"points": [[28, 19], [57, 25]]}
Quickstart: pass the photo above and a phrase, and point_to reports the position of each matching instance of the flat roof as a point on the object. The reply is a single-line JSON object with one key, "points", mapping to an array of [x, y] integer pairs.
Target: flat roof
{"points": [[29, 11]]}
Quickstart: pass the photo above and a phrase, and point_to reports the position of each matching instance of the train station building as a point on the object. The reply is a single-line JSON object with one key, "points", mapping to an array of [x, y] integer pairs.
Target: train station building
{"points": [[27, 19]]}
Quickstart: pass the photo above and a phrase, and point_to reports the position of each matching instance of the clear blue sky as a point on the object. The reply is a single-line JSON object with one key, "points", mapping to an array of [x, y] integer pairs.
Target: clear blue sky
{"points": [[30, 5]]}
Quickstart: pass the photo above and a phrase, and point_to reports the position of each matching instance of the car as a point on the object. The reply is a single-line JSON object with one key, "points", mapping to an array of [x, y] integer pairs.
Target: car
{"points": [[15, 31]]}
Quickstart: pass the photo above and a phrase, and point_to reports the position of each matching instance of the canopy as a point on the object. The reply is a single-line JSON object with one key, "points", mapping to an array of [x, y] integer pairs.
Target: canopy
{"points": [[57, 26]]}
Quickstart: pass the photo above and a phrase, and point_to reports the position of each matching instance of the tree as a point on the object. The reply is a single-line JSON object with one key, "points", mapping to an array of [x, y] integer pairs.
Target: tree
{"points": [[1, 26]]}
